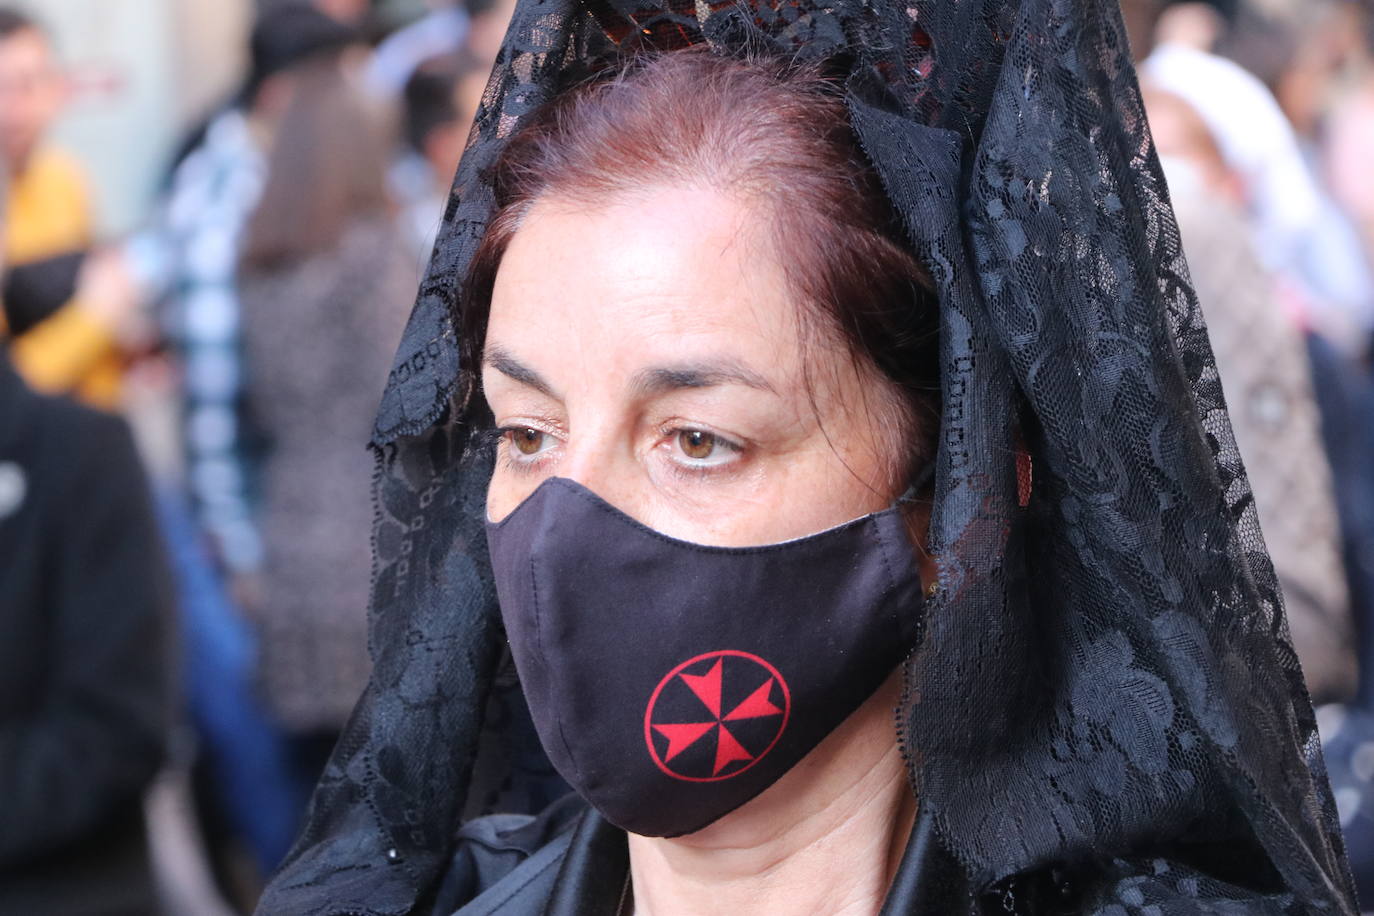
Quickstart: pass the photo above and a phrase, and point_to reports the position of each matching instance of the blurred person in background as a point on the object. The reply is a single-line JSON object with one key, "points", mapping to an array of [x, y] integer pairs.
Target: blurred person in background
{"points": [[74, 343], [1310, 58], [440, 32], [215, 189], [1348, 155], [49, 207], [1238, 169], [1331, 83], [326, 283], [1349, 133], [1316, 58], [1300, 234], [352, 13], [487, 28], [441, 98], [1345, 391], [85, 682], [1262, 359], [250, 799]]}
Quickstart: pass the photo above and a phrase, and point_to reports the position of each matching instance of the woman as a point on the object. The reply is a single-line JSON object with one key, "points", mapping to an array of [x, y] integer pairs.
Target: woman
{"points": [[729, 314], [323, 270]]}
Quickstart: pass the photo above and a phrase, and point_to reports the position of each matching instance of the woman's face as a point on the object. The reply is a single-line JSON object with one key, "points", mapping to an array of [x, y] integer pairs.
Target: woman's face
{"points": [[651, 350]]}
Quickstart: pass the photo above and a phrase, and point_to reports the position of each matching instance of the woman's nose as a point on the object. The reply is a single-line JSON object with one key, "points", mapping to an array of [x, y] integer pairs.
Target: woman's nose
{"points": [[609, 469]]}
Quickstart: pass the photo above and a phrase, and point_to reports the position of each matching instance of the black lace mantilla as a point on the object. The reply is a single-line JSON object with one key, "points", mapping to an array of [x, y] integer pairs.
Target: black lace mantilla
{"points": [[1106, 688]]}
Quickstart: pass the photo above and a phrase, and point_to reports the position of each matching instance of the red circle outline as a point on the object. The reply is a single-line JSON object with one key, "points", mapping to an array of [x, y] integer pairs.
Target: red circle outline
{"points": [[653, 700]]}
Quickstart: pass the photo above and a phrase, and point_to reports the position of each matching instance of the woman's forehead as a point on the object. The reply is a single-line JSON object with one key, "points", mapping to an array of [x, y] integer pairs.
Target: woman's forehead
{"points": [[671, 275]]}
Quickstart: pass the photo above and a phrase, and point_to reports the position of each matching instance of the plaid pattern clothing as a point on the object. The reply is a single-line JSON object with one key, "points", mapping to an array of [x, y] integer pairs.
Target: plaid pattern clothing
{"points": [[213, 194]]}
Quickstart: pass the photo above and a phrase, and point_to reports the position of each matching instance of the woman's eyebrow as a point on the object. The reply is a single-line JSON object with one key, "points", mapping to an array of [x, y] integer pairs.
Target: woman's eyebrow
{"points": [[506, 364], [662, 379]]}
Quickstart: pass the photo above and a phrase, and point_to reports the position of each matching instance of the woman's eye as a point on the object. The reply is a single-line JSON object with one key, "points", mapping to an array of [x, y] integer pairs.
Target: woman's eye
{"points": [[696, 444], [527, 440], [700, 449]]}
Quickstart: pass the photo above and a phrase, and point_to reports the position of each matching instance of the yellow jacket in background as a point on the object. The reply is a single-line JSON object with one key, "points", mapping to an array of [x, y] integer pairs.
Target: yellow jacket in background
{"points": [[48, 214]]}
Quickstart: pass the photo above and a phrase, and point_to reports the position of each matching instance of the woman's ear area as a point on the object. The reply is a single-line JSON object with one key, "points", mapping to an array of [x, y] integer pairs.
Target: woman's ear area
{"points": [[916, 518]]}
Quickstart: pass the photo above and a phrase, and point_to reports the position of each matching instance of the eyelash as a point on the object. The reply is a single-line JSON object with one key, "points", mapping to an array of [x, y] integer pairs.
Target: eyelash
{"points": [[691, 470], [502, 439]]}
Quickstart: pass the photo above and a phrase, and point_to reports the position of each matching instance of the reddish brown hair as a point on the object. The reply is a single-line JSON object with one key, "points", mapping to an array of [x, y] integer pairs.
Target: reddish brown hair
{"points": [[770, 131]]}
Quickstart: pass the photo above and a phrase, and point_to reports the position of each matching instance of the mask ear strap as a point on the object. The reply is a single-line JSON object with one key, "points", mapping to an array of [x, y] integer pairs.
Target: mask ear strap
{"points": [[922, 480]]}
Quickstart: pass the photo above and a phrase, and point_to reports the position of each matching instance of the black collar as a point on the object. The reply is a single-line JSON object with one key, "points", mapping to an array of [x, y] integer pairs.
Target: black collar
{"points": [[592, 879]]}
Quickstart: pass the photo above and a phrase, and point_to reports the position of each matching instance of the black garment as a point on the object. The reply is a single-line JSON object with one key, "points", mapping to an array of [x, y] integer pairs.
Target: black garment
{"points": [[1105, 686], [568, 861], [33, 292], [1345, 397], [84, 680], [508, 863]]}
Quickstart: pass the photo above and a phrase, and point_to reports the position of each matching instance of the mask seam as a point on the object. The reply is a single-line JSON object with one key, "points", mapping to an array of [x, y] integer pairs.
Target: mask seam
{"points": [[898, 612], [548, 670], [891, 578]]}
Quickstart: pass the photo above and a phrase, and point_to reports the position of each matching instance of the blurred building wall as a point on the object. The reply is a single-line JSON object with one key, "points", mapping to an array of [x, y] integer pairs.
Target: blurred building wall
{"points": [[142, 71], [211, 52]]}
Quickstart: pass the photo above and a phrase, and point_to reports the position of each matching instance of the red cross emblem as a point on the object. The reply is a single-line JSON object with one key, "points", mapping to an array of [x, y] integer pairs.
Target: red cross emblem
{"points": [[714, 716]]}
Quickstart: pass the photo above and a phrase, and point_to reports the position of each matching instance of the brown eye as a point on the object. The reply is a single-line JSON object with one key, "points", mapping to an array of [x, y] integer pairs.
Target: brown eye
{"points": [[696, 444], [527, 441]]}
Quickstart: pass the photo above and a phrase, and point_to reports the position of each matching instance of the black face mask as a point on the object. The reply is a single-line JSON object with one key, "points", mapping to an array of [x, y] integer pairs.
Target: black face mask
{"points": [[672, 682]]}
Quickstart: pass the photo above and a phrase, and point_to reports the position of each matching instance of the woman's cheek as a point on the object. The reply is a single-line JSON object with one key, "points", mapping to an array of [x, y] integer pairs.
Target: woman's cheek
{"points": [[506, 491], [741, 510]]}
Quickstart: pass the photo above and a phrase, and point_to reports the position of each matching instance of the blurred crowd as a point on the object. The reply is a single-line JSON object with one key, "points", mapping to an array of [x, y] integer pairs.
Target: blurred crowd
{"points": [[183, 608], [1261, 112], [184, 484]]}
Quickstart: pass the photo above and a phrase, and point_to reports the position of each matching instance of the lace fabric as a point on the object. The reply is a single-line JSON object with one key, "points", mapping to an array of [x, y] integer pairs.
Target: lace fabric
{"points": [[1106, 689]]}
